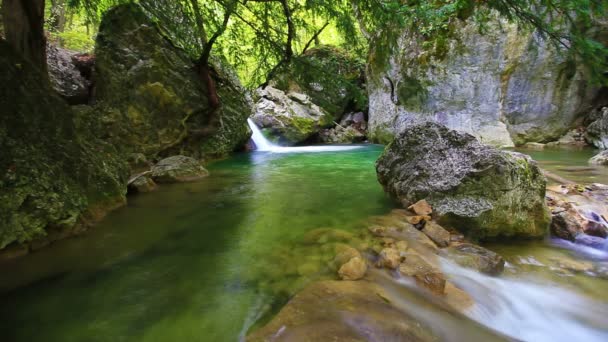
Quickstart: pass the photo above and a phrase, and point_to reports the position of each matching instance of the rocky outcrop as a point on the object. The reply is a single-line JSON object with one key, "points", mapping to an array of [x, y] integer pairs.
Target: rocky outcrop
{"points": [[597, 131], [178, 169], [56, 175], [152, 101], [507, 86], [289, 118], [478, 189], [65, 77], [330, 77], [351, 129]]}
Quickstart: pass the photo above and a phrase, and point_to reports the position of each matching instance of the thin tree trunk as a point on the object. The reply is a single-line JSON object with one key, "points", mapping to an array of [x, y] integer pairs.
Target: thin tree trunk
{"points": [[58, 18], [24, 29]]}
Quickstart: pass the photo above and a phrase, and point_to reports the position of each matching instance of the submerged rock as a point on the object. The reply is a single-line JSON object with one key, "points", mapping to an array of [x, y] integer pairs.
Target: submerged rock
{"points": [[342, 311], [56, 174], [425, 274], [178, 169], [477, 257], [354, 269], [478, 189]]}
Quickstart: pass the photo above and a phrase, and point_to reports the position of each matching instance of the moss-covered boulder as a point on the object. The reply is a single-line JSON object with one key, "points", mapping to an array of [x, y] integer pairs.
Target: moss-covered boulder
{"points": [[178, 169], [289, 118], [332, 77], [54, 173], [152, 100], [475, 188]]}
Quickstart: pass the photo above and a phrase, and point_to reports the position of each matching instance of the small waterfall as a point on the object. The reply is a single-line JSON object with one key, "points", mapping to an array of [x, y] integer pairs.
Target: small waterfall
{"points": [[261, 143]]}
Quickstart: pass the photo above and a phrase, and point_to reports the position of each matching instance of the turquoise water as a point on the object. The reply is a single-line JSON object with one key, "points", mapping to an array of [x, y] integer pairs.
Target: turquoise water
{"points": [[192, 262]]}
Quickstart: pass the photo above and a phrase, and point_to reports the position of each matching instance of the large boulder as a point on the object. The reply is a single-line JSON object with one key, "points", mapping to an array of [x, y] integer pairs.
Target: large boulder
{"points": [[56, 174], [333, 79], [289, 118], [503, 84], [597, 131], [478, 189], [600, 158], [178, 169], [65, 77], [153, 102]]}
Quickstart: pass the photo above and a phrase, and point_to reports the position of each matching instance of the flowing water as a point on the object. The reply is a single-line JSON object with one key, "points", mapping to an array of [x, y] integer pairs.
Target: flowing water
{"points": [[205, 261]]}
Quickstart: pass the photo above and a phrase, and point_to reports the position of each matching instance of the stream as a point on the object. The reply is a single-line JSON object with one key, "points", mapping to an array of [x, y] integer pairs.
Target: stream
{"points": [[207, 261]]}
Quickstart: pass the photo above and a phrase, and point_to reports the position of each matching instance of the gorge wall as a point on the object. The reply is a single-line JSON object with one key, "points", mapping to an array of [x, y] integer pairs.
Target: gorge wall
{"points": [[506, 86]]}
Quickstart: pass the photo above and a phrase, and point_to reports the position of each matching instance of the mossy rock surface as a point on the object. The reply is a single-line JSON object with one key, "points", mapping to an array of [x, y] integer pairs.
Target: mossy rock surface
{"points": [[480, 190], [152, 100], [54, 172]]}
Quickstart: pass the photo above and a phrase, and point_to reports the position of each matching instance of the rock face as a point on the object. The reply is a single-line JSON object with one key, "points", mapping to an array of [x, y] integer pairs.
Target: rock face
{"points": [[480, 190], [351, 129], [56, 174], [597, 131], [507, 86], [289, 118], [178, 169], [151, 99]]}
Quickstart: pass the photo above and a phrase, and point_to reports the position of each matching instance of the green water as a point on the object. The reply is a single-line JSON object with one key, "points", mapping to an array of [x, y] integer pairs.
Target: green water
{"points": [[191, 262], [204, 261]]}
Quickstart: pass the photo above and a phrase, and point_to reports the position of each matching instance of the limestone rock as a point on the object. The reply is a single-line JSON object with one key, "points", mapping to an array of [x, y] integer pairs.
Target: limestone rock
{"points": [[421, 208], [151, 99], [289, 118], [477, 189], [389, 258], [477, 257], [424, 273], [354, 269], [600, 159], [505, 86], [597, 131], [178, 169], [437, 233]]}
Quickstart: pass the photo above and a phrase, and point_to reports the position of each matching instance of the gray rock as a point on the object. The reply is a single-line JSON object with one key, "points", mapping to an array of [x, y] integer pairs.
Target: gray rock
{"points": [[178, 169], [473, 187], [600, 159], [65, 77], [506, 86], [477, 257], [597, 131], [290, 117]]}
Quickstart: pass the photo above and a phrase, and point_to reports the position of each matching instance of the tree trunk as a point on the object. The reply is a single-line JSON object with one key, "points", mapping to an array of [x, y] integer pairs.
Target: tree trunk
{"points": [[24, 29], [58, 18]]}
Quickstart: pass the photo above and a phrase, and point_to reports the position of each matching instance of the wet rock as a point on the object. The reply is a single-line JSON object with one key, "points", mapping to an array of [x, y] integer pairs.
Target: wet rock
{"points": [[600, 158], [421, 208], [344, 254], [138, 161], [477, 189], [324, 235], [141, 184], [289, 118], [342, 311], [477, 257], [578, 266], [424, 273], [437, 233], [389, 258], [565, 226], [354, 269], [341, 135], [178, 169], [401, 246], [535, 146]]}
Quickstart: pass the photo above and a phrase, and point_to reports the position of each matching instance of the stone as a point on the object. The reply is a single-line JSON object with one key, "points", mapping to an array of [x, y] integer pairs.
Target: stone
{"points": [[535, 146], [344, 254], [389, 258], [342, 135], [65, 77], [501, 83], [424, 273], [597, 130], [55, 170], [477, 257], [477, 189], [289, 118], [152, 101], [573, 265], [178, 169], [600, 158], [354, 269], [421, 208], [401, 246], [437, 233], [141, 184], [564, 225], [343, 311]]}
